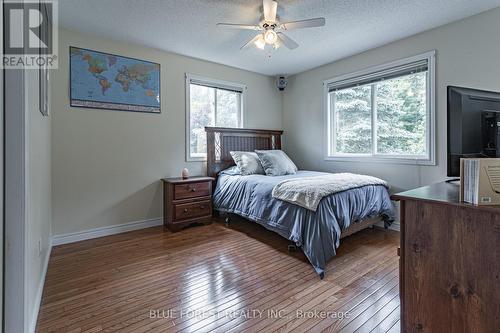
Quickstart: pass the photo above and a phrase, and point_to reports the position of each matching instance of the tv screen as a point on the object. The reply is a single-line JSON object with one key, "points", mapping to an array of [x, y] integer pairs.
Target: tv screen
{"points": [[473, 126]]}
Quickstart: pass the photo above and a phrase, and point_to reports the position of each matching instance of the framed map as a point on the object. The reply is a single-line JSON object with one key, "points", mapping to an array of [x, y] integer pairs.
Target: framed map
{"points": [[107, 81]]}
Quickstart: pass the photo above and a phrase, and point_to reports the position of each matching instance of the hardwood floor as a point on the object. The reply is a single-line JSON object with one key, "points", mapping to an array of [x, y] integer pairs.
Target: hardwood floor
{"points": [[219, 279]]}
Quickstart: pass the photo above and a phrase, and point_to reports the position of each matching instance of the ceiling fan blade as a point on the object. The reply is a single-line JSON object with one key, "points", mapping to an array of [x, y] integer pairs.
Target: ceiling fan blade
{"points": [[287, 41], [252, 41], [278, 44], [310, 23], [239, 26], [270, 9]]}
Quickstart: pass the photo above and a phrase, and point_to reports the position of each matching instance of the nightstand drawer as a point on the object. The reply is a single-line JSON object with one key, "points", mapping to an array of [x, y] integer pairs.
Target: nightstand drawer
{"points": [[191, 210], [192, 190], [187, 201]]}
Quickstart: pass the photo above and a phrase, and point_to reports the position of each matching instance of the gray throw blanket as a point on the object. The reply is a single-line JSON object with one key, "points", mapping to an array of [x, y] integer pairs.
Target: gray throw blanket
{"points": [[307, 192]]}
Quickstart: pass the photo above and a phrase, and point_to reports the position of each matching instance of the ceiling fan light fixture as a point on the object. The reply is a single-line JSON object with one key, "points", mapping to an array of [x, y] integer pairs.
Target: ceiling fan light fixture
{"points": [[260, 42], [270, 37], [271, 29]]}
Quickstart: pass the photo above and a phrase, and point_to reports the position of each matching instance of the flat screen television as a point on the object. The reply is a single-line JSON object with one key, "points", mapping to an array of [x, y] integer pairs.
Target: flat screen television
{"points": [[473, 126]]}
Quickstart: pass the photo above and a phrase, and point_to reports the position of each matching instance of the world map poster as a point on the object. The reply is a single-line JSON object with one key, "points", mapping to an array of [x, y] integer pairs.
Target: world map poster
{"points": [[107, 81]]}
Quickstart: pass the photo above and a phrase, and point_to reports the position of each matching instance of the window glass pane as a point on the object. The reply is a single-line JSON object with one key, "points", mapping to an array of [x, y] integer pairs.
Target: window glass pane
{"points": [[228, 108], [401, 115], [353, 120], [202, 113], [210, 107]]}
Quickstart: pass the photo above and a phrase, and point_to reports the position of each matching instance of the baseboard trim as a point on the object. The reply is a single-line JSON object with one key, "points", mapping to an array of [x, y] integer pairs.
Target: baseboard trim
{"points": [[105, 231], [39, 292]]}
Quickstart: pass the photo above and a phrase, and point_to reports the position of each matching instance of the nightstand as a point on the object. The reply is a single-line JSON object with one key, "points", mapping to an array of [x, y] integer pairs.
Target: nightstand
{"points": [[187, 201]]}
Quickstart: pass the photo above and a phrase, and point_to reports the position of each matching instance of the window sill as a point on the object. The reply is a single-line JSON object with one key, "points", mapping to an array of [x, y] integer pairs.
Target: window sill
{"points": [[386, 160], [196, 159]]}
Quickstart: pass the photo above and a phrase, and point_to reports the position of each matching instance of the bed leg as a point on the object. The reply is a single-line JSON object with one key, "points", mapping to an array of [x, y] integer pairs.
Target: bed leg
{"points": [[227, 221], [292, 247]]}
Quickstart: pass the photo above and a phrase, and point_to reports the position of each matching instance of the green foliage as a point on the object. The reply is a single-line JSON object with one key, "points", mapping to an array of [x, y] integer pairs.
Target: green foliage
{"points": [[204, 112], [401, 117], [353, 119], [227, 108]]}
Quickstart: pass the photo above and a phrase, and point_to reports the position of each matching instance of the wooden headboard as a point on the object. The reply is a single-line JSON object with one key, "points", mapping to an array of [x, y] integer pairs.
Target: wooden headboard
{"points": [[221, 140]]}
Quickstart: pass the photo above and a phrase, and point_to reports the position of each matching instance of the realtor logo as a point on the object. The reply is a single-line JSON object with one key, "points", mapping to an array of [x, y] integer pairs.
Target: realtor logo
{"points": [[30, 34]]}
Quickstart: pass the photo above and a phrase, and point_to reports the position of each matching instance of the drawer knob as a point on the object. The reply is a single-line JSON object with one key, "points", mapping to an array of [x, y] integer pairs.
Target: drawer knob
{"points": [[202, 207], [417, 248], [185, 210]]}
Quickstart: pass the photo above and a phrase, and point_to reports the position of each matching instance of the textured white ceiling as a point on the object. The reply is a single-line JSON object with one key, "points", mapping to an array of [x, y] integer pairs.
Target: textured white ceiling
{"points": [[188, 27]]}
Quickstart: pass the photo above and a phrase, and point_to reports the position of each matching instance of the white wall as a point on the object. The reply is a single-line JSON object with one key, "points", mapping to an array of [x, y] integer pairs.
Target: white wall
{"points": [[38, 205], [107, 165], [468, 54]]}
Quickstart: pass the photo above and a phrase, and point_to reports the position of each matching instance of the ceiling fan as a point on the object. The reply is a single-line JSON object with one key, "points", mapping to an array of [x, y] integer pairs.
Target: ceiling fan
{"points": [[271, 30]]}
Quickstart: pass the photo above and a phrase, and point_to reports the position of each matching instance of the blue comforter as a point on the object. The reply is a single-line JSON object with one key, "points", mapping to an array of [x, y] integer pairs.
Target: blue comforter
{"points": [[317, 233]]}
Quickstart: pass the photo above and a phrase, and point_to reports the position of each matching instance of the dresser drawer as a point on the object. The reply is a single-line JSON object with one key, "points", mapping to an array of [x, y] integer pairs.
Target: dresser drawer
{"points": [[192, 210], [192, 190]]}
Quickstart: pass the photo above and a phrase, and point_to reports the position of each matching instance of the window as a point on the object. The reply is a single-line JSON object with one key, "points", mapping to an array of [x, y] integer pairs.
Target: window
{"points": [[384, 113], [210, 103]]}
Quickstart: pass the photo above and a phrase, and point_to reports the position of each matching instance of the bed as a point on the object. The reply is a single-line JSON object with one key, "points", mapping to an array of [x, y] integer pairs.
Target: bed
{"points": [[317, 233]]}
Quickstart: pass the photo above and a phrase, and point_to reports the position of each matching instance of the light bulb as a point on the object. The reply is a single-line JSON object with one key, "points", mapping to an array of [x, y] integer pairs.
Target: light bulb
{"points": [[270, 37], [260, 43]]}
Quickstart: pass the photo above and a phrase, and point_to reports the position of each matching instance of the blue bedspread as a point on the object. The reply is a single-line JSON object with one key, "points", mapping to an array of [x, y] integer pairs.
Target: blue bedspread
{"points": [[317, 233]]}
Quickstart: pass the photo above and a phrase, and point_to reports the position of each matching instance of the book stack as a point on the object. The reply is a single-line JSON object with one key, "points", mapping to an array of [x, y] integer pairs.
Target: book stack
{"points": [[480, 181]]}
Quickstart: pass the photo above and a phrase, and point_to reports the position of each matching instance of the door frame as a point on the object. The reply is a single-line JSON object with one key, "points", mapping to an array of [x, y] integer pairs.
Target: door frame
{"points": [[2, 181], [15, 202], [15, 305]]}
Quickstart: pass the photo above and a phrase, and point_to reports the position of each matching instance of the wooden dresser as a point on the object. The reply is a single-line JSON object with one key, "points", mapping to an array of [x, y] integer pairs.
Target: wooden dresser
{"points": [[186, 201], [450, 262]]}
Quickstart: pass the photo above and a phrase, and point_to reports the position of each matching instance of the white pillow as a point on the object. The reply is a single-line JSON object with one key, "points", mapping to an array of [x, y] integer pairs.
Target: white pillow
{"points": [[248, 162], [276, 162]]}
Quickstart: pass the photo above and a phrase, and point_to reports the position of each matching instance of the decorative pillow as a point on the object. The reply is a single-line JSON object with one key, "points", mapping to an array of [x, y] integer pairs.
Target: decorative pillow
{"points": [[248, 162], [276, 162]]}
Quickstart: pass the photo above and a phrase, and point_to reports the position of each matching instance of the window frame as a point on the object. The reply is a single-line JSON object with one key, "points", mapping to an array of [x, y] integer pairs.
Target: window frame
{"points": [[218, 84], [329, 130]]}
